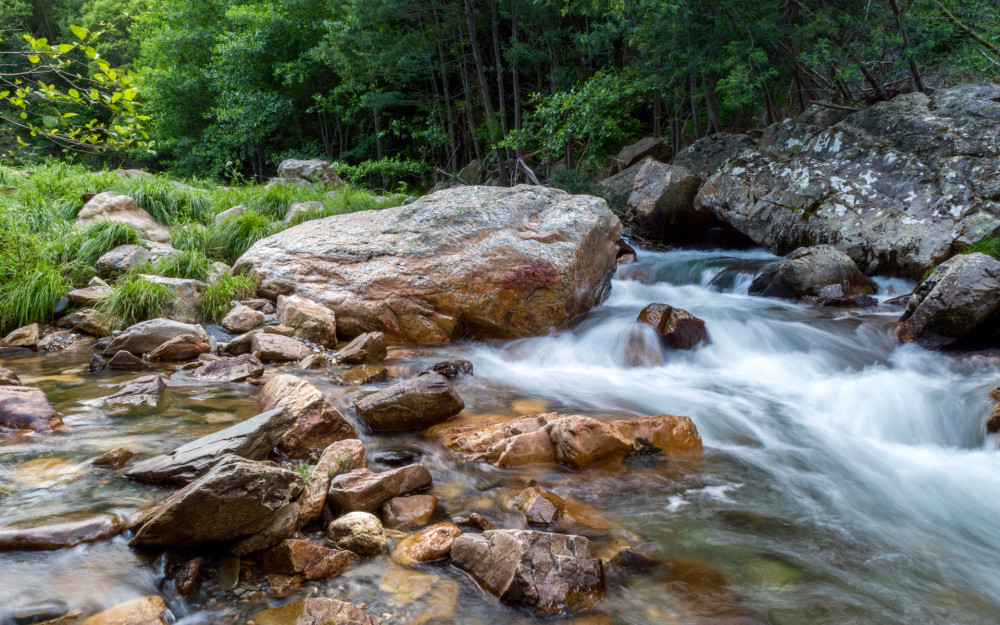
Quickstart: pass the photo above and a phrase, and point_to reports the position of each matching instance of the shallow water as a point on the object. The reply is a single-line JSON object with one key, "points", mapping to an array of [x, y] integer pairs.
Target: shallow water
{"points": [[845, 479]]}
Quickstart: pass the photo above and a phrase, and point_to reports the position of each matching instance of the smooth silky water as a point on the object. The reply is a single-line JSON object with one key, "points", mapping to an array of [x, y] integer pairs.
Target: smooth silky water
{"points": [[845, 479]]}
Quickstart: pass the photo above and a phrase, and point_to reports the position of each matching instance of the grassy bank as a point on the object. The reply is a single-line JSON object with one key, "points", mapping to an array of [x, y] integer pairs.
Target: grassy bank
{"points": [[44, 254]]}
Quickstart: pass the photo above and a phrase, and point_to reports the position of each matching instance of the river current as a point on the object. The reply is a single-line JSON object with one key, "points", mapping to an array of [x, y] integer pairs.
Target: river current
{"points": [[846, 478]]}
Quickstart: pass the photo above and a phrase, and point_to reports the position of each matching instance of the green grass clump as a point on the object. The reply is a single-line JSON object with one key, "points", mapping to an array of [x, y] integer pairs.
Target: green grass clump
{"points": [[166, 200], [134, 299], [190, 237], [989, 246], [31, 297], [187, 264], [102, 237], [217, 297], [231, 237]]}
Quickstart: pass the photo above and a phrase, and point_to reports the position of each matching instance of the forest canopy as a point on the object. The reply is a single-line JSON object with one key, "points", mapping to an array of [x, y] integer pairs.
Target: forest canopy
{"points": [[400, 92]]}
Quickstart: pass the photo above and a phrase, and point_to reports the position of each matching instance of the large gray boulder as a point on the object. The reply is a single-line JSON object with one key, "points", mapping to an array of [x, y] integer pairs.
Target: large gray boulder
{"points": [[960, 299], [812, 271], [661, 204], [236, 500], [553, 573], [312, 170], [148, 335], [899, 187], [480, 261], [706, 155], [252, 439]]}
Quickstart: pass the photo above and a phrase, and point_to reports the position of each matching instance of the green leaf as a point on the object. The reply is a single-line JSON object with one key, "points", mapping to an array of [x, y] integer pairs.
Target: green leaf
{"points": [[34, 58], [130, 94], [50, 122], [79, 32]]}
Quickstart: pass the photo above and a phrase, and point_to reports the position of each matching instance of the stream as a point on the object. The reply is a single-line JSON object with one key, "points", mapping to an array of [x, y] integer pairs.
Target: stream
{"points": [[846, 478]]}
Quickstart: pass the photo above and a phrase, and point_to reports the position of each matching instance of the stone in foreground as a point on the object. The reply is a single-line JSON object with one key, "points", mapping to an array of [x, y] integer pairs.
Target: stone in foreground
{"points": [[27, 408], [553, 573], [142, 611], [410, 405], [60, 535], [295, 556], [252, 439], [433, 543], [315, 611], [360, 532], [316, 421], [478, 261]]}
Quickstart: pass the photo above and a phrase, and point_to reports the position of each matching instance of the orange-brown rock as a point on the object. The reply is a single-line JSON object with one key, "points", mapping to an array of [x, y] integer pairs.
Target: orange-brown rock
{"points": [[315, 611], [9, 378], [142, 611], [114, 459], [294, 556], [574, 440], [27, 408], [433, 543], [480, 261], [179, 349], [311, 320], [316, 423], [338, 458], [364, 490], [679, 328], [415, 510]]}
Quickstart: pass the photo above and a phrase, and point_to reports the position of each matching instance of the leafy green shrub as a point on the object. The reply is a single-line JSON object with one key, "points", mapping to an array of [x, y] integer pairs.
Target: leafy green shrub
{"points": [[102, 237], [231, 237], [217, 297], [31, 297], [134, 299], [187, 264]]}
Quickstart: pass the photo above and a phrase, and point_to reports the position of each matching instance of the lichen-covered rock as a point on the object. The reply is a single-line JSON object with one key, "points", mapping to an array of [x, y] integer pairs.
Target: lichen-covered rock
{"points": [[115, 207], [360, 532], [481, 261], [899, 186], [310, 320], [661, 204], [27, 408], [410, 405], [812, 271], [959, 299], [553, 573], [316, 422], [574, 440], [706, 155], [677, 328]]}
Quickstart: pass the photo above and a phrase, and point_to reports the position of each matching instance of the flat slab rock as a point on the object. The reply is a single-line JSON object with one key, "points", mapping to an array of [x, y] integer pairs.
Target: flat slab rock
{"points": [[553, 573], [575, 440], [27, 407], [230, 369], [364, 490], [144, 391], [252, 439], [481, 261], [60, 535]]}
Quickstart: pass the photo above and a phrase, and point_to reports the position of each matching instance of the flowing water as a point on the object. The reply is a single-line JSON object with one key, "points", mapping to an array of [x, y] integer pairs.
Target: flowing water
{"points": [[845, 479]]}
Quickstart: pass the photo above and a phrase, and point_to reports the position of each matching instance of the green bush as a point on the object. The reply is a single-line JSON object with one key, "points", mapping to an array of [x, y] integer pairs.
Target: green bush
{"points": [[189, 265], [134, 299], [228, 239], [216, 298]]}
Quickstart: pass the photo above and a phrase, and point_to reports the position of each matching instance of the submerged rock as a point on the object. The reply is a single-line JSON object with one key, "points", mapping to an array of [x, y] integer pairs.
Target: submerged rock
{"points": [[315, 611], [553, 573], [235, 500], [144, 391], [364, 374], [433, 543], [678, 328], [574, 440], [294, 556], [316, 422], [359, 532], [960, 298], [363, 490], [60, 535], [148, 335], [517, 262], [27, 408], [114, 459], [230, 369], [820, 271], [252, 439], [415, 510], [410, 405]]}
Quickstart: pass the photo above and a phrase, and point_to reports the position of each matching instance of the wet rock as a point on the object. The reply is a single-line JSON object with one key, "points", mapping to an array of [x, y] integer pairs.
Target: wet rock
{"points": [[230, 369], [122, 208], [312, 170], [899, 186], [359, 532], [179, 349], [678, 328], [277, 348], [367, 347], [47, 613], [126, 361], [316, 421], [184, 307], [552, 573], [252, 439], [362, 490], [450, 369], [707, 154], [9, 378], [187, 577], [91, 321], [96, 364], [810, 270], [661, 205], [311, 320], [338, 458], [236, 499], [412, 404], [242, 319], [144, 391], [242, 344], [27, 408], [114, 459], [540, 506], [832, 296], [118, 261], [22, 337], [90, 295], [313, 361], [959, 299], [294, 556], [364, 374], [527, 260], [60, 535], [303, 208], [397, 457], [479, 522], [574, 440], [412, 511], [315, 611], [433, 543], [653, 148], [148, 335], [142, 611]]}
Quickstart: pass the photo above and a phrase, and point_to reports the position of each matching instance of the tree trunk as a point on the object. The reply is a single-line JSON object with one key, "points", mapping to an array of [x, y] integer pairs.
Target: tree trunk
{"points": [[694, 107], [499, 63], [491, 121], [918, 81], [515, 75], [378, 139], [713, 106]]}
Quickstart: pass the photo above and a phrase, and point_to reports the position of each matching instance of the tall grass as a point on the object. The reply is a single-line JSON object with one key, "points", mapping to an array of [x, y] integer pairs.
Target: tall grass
{"points": [[134, 299], [166, 200], [31, 298], [217, 297], [189, 265], [102, 237], [230, 238]]}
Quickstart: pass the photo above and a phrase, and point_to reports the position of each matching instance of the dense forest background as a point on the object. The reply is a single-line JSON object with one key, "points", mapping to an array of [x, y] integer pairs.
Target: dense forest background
{"points": [[400, 92]]}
